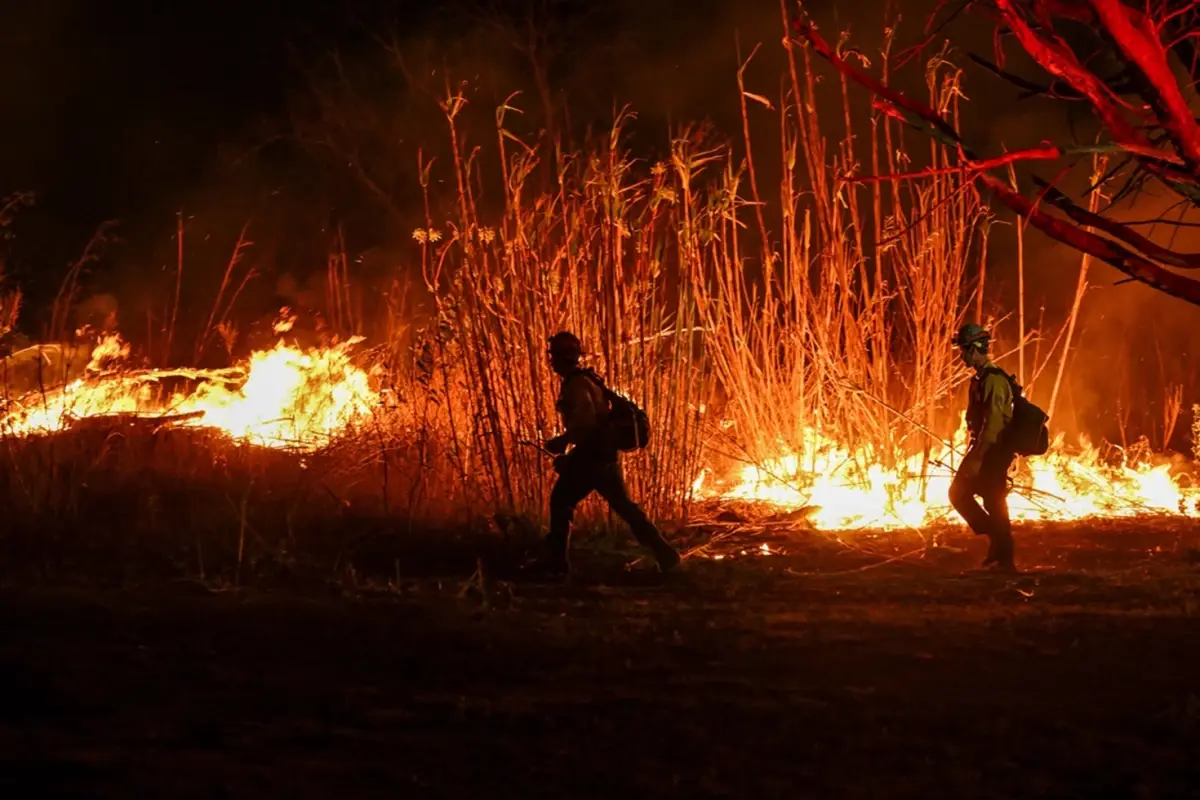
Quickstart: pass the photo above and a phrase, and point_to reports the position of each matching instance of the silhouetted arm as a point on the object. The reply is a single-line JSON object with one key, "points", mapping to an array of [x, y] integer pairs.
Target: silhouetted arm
{"points": [[581, 417]]}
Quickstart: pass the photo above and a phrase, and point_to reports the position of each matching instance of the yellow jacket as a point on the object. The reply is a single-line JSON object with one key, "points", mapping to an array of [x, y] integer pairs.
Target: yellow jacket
{"points": [[989, 410]]}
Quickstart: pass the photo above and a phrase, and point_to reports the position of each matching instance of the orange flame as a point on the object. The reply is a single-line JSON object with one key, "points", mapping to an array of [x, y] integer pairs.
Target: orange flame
{"points": [[845, 489], [298, 399], [110, 349], [284, 397], [285, 321]]}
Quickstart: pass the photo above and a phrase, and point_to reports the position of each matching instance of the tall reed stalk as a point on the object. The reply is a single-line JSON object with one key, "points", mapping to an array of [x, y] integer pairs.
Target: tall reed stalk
{"points": [[606, 255], [1099, 166], [853, 313], [743, 343]]}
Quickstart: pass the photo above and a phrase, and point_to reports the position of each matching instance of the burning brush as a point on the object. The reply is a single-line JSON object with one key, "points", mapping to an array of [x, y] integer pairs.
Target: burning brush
{"points": [[284, 397]]}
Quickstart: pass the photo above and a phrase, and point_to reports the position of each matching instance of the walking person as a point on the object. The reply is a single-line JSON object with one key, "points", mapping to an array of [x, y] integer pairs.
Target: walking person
{"points": [[984, 470], [592, 463]]}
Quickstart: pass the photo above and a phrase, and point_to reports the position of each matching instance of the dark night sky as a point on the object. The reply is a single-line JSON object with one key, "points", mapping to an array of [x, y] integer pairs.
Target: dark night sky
{"points": [[120, 109], [125, 110], [110, 107]]}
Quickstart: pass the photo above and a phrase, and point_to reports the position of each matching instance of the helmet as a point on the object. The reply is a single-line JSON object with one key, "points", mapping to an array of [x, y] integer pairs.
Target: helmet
{"points": [[972, 334], [565, 346]]}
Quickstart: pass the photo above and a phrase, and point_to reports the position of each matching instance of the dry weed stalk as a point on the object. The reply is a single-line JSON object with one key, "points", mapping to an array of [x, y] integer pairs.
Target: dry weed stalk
{"points": [[596, 257], [1172, 407], [1099, 169], [170, 345], [837, 322], [210, 326], [828, 330], [68, 291], [1196, 431]]}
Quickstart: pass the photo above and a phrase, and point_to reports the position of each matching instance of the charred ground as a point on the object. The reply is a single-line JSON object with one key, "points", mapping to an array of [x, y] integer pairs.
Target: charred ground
{"points": [[827, 671]]}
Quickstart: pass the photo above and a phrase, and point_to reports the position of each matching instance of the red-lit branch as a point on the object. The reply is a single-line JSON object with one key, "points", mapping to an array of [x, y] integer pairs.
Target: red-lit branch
{"points": [[1138, 40], [1044, 153], [1131, 264], [1056, 57], [1077, 11], [1057, 89], [1170, 19], [1121, 231], [931, 33], [807, 33]]}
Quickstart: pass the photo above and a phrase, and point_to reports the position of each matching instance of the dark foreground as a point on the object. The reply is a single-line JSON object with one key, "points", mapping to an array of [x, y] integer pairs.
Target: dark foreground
{"points": [[745, 677]]}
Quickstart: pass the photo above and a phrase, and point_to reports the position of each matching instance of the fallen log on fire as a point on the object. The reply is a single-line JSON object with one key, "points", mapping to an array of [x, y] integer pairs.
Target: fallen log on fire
{"points": [[149, 422]]}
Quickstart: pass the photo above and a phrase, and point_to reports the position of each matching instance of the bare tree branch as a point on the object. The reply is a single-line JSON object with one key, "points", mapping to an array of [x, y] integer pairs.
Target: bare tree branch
{"points": [[1129, 251], [1119, 230]]}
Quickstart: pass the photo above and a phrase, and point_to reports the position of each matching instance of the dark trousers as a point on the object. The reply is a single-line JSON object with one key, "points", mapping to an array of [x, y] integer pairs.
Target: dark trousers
{"points": [[991, 485], [579, 477]]}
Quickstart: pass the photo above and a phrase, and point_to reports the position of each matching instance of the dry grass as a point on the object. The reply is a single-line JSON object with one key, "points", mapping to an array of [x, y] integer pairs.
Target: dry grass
{"points": [[855, 312], [836, 325], [603, 257], [692, 307], [105, 497]]}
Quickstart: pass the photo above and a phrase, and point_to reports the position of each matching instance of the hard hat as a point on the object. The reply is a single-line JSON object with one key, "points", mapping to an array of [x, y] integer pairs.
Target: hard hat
{"points": [[970, 334], [566, 345]]}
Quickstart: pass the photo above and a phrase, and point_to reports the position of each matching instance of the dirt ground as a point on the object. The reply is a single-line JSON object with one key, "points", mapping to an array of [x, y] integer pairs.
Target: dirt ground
{"points": [[825, 671]]}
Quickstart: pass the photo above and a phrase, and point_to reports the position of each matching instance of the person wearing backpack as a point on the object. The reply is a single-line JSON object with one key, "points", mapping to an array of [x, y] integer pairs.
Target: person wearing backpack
{"points": [[984, 470], [598, 425]]}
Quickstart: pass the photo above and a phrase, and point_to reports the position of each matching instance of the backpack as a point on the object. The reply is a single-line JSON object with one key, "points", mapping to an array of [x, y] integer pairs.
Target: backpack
{"points": [[627, 425], [1027, 433]]}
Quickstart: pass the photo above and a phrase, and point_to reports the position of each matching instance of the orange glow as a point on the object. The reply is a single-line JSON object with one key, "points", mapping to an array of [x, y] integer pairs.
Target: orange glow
{"points": [[851, 490], [283, 397], [290, 398]]}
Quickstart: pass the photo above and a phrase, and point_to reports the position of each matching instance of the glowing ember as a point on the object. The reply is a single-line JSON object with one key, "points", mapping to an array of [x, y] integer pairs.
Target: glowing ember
{"points": [[848, 490], [110, 349], [283, 397], [285, 322]]}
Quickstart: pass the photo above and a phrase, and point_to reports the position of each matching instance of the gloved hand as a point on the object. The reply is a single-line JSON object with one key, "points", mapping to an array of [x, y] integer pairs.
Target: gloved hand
{"points": [[557, 445]]}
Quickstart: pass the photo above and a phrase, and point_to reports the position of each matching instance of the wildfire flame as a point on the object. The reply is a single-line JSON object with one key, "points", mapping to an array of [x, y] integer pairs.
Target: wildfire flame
{"points": [[110, 349], [845, 490], [285, 321], [298, 399], [283, 397]]}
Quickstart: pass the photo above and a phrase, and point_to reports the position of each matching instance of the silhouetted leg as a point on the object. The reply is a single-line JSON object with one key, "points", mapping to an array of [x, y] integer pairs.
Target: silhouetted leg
{"points": [[574, 484], [994, 491], [610, 484], [962, 497]]}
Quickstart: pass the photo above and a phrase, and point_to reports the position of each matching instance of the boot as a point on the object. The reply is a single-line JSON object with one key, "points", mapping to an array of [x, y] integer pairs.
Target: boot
{"points": [[1001, 554], [1005, 561], [667, 556], [991, 553], [552, 560]]}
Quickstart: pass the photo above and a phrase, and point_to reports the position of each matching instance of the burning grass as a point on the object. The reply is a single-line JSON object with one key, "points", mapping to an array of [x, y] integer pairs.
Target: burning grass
{"points": [[283, 398], [836, 492], [807, 368]]}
